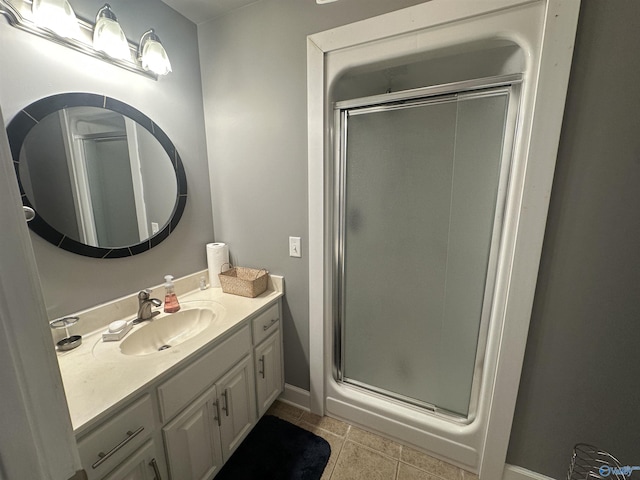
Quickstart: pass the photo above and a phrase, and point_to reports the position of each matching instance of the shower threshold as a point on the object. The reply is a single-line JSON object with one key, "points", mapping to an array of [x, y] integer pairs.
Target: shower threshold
{"points": [[406, 401]]}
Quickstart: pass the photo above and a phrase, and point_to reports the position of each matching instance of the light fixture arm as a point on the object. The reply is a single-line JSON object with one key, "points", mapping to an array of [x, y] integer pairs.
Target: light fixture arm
{"points": [[12, 14], [106, 12]]}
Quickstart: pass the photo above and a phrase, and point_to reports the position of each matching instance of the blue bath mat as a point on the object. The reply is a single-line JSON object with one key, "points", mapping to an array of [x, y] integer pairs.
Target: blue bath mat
{"points": [[277, 450]]}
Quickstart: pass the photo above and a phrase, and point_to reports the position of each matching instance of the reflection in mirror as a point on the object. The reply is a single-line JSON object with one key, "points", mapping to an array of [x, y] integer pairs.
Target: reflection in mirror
{"points": [[104, 180], [108, 182]]}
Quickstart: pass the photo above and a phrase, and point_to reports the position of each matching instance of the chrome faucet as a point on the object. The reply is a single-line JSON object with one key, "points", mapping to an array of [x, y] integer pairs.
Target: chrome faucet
{"points": [[144, 306]]}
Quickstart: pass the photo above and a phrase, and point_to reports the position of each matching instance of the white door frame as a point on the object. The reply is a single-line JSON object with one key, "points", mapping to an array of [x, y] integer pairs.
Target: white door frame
{"points": [[133, 146], [77, 166], [548, 41], [36, 438]]}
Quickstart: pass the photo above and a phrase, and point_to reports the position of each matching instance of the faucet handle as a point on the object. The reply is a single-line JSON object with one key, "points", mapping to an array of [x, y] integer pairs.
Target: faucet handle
{"points": [[144, 294]]}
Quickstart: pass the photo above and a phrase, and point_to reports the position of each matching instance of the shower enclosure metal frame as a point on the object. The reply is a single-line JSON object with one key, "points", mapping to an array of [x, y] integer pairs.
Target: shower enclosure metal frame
{"points": [[508, 85]]}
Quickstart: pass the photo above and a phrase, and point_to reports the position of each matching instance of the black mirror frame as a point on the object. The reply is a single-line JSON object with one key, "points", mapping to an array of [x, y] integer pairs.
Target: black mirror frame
{"points": [[27, 118]]}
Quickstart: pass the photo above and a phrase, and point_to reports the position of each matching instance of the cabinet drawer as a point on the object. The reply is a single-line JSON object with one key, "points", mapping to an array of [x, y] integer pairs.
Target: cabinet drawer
{"points": [[139, 466], [106, 446], [266, 323], [179, 390]]}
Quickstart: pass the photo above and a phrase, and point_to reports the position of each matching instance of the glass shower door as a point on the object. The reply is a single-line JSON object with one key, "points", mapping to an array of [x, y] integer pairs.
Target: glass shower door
{"points": [[420, 185]]}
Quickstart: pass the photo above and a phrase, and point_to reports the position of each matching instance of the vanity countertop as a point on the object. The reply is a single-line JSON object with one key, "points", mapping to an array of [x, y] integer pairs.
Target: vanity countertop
{"points": [[98, 378]]}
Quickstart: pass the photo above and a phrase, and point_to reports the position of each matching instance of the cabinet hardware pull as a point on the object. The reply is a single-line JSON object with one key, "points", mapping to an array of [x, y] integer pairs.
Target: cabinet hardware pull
{"points": [[261, 360], [217, 404], [226, 402], [104, 456], [267, 327], [156, 471]]}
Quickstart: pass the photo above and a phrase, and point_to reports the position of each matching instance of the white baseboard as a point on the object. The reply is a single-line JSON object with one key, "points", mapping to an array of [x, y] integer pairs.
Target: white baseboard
{"points": [[296, 396], [511, 472]]}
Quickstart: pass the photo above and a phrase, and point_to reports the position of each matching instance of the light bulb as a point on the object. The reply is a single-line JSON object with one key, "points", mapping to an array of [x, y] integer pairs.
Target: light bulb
{"points": [[57, 16], [108, 36], [153, 56]]}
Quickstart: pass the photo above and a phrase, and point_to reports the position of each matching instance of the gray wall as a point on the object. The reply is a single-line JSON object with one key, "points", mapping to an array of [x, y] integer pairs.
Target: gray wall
{"points": [[33, 68], [54, 200], [158, 178], [582, 359], [253, 64], [582, 364]]}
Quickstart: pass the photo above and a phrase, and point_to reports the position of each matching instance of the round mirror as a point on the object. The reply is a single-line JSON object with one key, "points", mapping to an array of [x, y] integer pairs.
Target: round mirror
{"points": [[103, 179]]}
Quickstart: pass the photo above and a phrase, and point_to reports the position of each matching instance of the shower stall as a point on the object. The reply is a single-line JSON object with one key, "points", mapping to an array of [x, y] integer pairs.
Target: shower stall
{"points": [[420, 183], [432, 137]]}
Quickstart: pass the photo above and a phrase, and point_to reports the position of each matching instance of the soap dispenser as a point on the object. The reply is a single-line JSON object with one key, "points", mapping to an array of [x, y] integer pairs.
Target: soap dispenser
{"points": [[171, 304]]}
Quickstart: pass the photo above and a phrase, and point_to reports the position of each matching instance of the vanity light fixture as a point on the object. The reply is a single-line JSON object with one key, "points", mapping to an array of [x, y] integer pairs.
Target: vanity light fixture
{"points": [[152, 55], [57, 16], [108, 36], [55, 21]]}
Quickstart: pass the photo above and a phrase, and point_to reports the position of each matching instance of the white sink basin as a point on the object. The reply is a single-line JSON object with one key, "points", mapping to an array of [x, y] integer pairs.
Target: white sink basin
{"points": [[167, 331]]}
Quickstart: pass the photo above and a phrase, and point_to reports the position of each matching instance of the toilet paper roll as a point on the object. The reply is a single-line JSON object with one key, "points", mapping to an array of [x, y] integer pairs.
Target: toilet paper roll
{"points": [[217, 255]]}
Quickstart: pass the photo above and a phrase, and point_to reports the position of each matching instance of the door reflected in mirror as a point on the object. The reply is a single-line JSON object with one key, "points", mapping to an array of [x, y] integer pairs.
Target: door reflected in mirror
{"points": [[108, 182], [104, 182]]}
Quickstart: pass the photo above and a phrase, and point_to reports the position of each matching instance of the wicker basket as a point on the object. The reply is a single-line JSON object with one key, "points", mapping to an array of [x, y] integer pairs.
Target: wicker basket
{"points": [[246, 282]]}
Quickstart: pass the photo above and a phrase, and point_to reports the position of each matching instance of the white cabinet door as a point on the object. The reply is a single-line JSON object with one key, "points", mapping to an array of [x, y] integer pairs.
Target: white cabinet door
{"points": [[237, 405], [268, 361], [139, 466], [192, 440]]}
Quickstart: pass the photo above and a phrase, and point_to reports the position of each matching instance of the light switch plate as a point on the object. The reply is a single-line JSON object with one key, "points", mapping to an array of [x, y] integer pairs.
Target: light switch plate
{"points": [[294, 247]]}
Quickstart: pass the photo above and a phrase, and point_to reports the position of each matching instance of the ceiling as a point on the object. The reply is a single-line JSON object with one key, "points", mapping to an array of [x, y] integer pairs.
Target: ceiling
{"points": [[201, 11]]}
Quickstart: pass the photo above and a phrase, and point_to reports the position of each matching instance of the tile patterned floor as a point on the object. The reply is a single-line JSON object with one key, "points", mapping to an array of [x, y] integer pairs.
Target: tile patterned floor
{"points": [[360, 455]]}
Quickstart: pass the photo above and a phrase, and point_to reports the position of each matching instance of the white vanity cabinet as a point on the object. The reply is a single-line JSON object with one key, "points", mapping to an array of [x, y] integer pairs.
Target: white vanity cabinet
{"points": [[237, 406], [186, 422], [268, 365], [211, 427], [267, 338], [208, 431], [192, 439]]}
